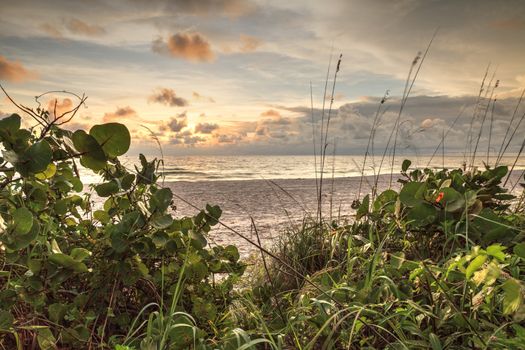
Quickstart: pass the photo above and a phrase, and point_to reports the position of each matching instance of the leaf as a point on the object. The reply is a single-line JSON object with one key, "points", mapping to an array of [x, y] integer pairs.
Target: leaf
{"points": [[496, 250], [80, 254], [68, 262], [475, 265], [386, 200], [93, 156], [107, 189], [48, 173], [35, 159], [435, 342], [161, 200], [23, 220], [9, 125], [397, 259], [113, 137], [363, 208], [512, 297], [422, 215], [161, 221], [519, 250], [406, 164], [452, 199], [412, 193], [46, 339]]}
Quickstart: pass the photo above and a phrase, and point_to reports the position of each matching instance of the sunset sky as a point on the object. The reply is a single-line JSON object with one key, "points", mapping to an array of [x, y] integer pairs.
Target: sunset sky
{"points": [[233, 77]]}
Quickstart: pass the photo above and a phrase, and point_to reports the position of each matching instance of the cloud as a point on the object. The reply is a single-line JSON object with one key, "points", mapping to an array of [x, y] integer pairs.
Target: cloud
{"points": [[206, 128], [193, 47], [200, 97], [14, 71], [168, 97], [228, 138], [76, 26], [249, 43], [186, 138], [232, 8], [510, 24], [52, 30], [120, 115], [178, 123]]}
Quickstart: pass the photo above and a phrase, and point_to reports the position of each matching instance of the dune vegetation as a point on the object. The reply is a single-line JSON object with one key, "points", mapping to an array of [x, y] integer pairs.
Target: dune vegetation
{"points": [[436, 262]]}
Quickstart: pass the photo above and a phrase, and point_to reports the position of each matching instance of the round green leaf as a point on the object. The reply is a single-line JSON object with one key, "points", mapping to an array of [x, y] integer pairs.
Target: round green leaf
{"points": [[107, 189], [412, 193], [422, 215], [93, 156], [35, 159], [113, 137], [23, 220]]}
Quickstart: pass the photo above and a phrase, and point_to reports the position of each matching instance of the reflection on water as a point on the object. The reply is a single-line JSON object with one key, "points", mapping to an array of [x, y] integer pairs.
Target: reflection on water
{"points": [[205, 168]]}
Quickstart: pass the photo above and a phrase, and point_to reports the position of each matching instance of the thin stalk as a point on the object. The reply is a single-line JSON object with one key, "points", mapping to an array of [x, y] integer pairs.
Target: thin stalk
{"points": [[515, 161], [490, 130], [405, 98], [313, 137], [500, 152]]}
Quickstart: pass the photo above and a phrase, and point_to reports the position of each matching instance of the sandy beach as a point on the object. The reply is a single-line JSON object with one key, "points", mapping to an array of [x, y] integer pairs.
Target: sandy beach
{"points": [[273, 204]]}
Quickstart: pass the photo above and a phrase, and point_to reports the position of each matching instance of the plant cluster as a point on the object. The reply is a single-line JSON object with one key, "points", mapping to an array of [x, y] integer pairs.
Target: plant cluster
{"points": [[77, 275]]}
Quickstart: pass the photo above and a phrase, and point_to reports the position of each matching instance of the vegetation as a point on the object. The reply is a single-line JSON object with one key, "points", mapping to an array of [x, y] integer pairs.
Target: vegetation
{"points": [[438, 264]]}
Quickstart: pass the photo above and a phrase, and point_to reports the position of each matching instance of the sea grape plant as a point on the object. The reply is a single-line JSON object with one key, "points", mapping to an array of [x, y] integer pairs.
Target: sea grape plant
{"points": [[76, 274]]}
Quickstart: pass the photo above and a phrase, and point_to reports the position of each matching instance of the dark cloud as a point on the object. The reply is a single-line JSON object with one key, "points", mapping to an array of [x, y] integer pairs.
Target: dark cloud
{"points": [[200, 97], [14, 71], [120, 115], [168, 97], [186, 138], [206, 128], [176, 124], [228, 138], [193, 47]]}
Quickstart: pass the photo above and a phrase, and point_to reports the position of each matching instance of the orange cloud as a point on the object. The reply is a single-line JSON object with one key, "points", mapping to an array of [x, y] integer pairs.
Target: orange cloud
{"points": [[189, 46], [52, 30], [13, 71], [56, 108], [270, 113], [120, 115], [206, 128], [79, 27], [249, 43], [511, 23]]}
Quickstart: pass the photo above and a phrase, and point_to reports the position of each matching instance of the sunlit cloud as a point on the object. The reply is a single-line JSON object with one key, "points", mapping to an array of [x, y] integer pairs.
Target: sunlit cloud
{"points": [[14, 71], [206, 128], [168, 97], [76, 26], [122, 114], [193, 47], [176, 124]]}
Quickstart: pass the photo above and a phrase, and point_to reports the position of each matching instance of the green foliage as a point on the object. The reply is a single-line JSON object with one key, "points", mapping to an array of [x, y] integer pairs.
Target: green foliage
{"points": [[73, 276]]}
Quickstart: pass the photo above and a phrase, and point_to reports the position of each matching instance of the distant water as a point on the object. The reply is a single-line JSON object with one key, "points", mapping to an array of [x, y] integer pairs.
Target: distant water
{"points": [[213, 168]]}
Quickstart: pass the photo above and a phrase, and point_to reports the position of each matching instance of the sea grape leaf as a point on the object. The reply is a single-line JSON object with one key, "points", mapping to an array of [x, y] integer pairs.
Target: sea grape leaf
{"points": [[113, 137], [106, 189], [46, 339], [93, 156], [23, 220], [35, 159], [406, 164], [161, 199], [68, 262], [9, 125], [422, 214], [412, 193]]}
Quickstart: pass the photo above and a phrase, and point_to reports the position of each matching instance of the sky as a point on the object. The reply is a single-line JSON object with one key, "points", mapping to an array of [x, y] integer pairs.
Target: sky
{"points": [[234, 77]]}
